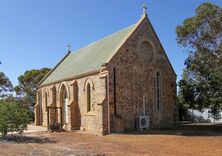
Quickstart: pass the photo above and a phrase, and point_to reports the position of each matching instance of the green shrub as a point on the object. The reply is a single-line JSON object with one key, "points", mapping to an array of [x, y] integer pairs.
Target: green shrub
{"points": [[13, 118], [55, 126]]}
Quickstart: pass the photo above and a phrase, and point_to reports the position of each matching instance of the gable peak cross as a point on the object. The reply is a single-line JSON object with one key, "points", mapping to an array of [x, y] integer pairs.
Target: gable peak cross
{"points": [[144, 6], [69, 47]]}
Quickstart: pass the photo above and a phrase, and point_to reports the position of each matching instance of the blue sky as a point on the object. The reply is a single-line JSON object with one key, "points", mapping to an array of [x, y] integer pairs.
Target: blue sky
{"points": [[34, 33]]}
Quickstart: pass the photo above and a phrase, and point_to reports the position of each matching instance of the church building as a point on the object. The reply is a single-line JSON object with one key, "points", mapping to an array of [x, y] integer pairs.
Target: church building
{"points": [[122, 82]]}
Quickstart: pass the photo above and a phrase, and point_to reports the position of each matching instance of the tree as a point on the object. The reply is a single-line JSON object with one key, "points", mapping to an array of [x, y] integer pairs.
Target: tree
{"points": [[13, 118], [5, 85], [26, 90], [201, 35]]}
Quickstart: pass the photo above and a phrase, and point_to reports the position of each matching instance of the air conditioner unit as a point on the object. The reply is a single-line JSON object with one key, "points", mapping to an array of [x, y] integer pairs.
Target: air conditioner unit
{"points": [[142, 122]]}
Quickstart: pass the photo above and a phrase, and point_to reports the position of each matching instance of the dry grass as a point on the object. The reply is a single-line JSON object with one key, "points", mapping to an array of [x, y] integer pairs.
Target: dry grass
{"points": [[151, 143]]}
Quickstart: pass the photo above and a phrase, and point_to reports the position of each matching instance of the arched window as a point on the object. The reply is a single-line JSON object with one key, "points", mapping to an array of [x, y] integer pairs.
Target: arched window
{"points": [[46, 102], [89, 105], [39, 97], [158, 91], [54, 96]]}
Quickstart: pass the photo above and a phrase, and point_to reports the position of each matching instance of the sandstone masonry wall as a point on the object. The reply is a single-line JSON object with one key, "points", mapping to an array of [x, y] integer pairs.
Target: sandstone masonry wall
{"points": [[78, 117], [135, 77]]}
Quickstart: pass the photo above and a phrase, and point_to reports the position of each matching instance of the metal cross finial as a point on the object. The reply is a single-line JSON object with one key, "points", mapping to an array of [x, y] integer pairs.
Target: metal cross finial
{"points": [[69, 47], [144, 8]]}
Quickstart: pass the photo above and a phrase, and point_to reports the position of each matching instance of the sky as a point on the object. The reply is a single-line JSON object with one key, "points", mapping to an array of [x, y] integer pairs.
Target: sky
{"points": [[35, 33]]}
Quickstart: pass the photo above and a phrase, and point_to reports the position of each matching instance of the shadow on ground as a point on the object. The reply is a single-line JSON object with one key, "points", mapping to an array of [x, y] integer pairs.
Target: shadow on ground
{"points": [[174, 132], [184, 130], [28, 139]]}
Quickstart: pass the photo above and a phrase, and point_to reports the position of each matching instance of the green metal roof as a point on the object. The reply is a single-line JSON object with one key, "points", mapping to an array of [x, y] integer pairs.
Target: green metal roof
{"points": [[89, 58]]}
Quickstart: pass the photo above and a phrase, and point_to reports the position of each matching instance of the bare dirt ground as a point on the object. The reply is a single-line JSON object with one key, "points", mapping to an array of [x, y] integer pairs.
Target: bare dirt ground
{"points": [[150, 143]]}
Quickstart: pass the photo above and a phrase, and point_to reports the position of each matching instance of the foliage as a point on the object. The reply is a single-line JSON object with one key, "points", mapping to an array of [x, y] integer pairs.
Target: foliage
{"points": [[55, 126], [26, 90], [183, 111], [5, 85], [215, 113], [13, 117], [201, 35]]}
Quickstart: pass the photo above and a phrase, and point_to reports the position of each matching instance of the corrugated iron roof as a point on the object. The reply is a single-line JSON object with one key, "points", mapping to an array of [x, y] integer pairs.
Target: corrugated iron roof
{"points": [[89, 58]]}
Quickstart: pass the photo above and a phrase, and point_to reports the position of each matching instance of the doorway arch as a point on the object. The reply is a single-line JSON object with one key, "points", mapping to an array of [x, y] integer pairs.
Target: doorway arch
{"points": [[64, 101]]}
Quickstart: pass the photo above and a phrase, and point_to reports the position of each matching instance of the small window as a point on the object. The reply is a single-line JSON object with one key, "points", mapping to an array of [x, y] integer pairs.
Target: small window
{"points": [[89, 105], [46, 102], [158, 91]]}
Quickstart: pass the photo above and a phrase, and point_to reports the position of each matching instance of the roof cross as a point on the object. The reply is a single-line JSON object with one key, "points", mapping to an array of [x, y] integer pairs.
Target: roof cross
{"points": [[144, 6], [69, 47]]}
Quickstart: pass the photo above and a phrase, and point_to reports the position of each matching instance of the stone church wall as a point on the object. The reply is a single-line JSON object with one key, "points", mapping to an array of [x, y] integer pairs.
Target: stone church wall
{"points": [[78, 116], [135, 77]]}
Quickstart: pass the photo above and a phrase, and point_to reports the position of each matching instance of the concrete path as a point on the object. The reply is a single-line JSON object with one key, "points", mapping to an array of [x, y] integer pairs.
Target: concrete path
{"points": [[33, 128]]}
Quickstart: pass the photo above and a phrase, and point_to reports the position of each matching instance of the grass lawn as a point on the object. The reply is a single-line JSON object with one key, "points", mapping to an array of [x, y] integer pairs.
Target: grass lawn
{"points": [[150, 143]]}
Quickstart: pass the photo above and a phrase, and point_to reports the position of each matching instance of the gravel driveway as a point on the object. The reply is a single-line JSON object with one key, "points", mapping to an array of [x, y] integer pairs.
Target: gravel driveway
{"points": [[150, 143]]}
